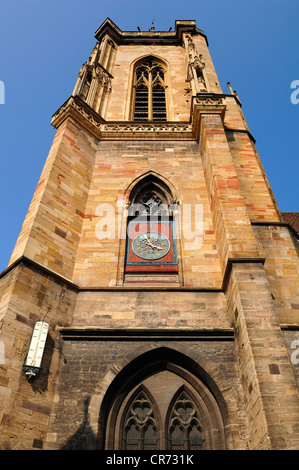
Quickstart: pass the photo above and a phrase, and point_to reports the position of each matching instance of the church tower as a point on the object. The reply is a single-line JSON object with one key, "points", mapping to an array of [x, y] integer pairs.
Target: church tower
{"points": [[151, 301]]}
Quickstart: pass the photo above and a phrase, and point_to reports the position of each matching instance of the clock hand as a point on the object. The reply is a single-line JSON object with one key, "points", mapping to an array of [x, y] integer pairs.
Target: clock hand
{"points": [[154, 246], [150, 244]]}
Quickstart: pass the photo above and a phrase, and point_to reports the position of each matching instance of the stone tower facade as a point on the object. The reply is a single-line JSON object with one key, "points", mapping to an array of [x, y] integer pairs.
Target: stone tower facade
{"points": [[156, 254]]}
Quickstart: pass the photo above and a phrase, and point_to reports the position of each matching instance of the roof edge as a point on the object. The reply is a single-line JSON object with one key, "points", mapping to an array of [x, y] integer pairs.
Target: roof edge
{"points": [[172, 37]]}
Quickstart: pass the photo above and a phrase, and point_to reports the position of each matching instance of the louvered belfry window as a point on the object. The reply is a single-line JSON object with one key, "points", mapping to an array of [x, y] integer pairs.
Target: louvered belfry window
{"points": [[149, 84]]}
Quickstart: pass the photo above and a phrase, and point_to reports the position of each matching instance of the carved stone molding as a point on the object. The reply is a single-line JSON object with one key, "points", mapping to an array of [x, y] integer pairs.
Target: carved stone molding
{"points": [[208, 100], [76, 108], [206, 104], [147, 131], [103, 77], [151, 37], [79, 110], [195, 71]]}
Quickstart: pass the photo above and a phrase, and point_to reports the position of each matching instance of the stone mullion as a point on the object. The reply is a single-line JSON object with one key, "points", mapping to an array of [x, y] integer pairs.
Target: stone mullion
{"points": [[150, 96]]}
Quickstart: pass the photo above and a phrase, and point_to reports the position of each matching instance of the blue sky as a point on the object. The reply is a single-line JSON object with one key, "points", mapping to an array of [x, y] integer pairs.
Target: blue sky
{"points": [[43, 43]]}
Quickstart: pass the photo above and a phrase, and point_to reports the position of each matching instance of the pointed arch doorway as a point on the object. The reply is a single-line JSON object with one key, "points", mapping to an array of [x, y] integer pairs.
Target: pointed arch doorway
{"points": [[163, 400]]}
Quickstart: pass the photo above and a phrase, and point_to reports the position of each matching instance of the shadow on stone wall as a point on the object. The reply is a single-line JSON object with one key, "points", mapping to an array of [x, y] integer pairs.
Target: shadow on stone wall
{"points": [[84, 438], [40, 382]]}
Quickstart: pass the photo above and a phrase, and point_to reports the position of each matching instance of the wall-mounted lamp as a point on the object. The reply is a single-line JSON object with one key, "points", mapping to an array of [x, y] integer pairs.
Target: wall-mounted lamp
{"points": [[35, 353]]}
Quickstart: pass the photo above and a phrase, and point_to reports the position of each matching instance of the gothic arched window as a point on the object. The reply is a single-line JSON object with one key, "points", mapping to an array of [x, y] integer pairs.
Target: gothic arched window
{"points": [[140, 428], [149, 85], [151, 237], [184, 430], [159, 401]]}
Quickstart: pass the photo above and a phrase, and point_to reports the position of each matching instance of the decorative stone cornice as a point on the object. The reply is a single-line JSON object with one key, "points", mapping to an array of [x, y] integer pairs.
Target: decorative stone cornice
{"points": [[208, 101], [140, 334], [79, 110], [147, 130], [76, 108], [148, 37], [206, 104]]}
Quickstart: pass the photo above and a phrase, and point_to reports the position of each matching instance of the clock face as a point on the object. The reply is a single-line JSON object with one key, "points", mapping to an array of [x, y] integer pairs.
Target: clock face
{"points": [[150, 245]]}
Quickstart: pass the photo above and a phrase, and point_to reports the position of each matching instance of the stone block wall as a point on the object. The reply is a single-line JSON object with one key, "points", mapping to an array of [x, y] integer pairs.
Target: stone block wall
{"points": [[117, 165], [270, 390], [233, 313], [84, 380], [27, 295], [51, 231]]}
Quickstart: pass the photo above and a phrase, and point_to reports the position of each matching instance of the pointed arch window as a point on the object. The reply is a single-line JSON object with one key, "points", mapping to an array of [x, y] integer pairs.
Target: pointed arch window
{"points": [[142, 427], [151, 234], [140, 430], [163, 398], [150, 90], [152, 197], [184, 430]]}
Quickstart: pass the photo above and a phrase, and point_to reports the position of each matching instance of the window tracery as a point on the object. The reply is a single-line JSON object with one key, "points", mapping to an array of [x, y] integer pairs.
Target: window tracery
{"points": [[151, 203], [184, 430], [152, 197], [151, 247], [140, 427], [150, 86]]}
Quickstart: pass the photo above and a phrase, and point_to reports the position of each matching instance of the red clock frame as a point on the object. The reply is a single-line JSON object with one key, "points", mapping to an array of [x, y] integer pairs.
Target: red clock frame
{"points": [[167, 263]]}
